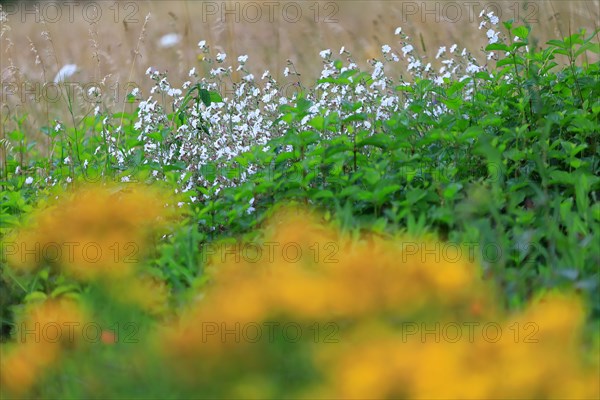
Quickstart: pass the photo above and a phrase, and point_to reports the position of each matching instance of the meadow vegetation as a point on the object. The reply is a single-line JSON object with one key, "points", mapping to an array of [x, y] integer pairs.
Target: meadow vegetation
{"points": [[424, 225]]}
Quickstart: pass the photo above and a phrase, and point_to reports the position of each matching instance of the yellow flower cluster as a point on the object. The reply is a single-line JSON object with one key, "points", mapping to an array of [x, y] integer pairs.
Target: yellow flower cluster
{"points": [[410, 325], [98, 234], [362, 316], [93, 233], [45, 330], [533, 355]]}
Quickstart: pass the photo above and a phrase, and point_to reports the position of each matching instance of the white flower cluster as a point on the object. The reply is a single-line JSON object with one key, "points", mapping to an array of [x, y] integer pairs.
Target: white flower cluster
{"points": [[215, 134]]}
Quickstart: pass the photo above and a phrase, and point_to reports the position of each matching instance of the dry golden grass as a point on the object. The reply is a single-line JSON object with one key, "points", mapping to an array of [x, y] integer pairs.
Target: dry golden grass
{"points": [[115, 52]]}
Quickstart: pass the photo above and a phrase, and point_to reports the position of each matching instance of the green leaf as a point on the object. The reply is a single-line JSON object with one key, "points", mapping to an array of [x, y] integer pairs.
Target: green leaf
{"points": [[451, 190], [380, 140], [561, 177], [380, 195], [63, 289], [522, 32], [317, 122], [323, 194], [472, 132], [557, 43], [309, 137], [157, 136], [36, 296], [592, 47], [215, 97], [414, 195], [497, 46], [509, 61], [355, 117], [205, 97]]}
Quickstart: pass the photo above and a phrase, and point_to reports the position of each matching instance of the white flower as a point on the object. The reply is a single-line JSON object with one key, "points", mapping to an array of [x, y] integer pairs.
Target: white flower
{"points": [[386, 49], [65, 72], [378, 70], [135, 92], [192, 72], [414, 64], [249, 78], [492, 36], [69, 180], [85, 163], [125, 179], [325, 53], [398, 31], [493, 19], [67, 160], [440, 52], [174, 92], [342, 50], [286, 71], [29, 180], [265, 74], [169, 40], [472, 68], [242, 59], [216, 72], [490, 55], [97, 110], [221, 57], [407, 49], [454, 46], [93, 91], [202, 44], [387, 102]]}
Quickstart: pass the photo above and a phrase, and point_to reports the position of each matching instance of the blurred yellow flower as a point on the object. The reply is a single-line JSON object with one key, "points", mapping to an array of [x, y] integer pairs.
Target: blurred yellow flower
{"points": [[417, 324], [370, 317], [42, 333], [95, 232]]}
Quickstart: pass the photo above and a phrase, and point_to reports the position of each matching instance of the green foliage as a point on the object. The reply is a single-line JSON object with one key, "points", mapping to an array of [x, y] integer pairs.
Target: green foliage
{"points": [[513, 171]]}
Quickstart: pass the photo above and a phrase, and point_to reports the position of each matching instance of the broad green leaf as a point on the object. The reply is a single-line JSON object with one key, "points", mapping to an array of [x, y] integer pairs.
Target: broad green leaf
{"points": [[522, 32]]}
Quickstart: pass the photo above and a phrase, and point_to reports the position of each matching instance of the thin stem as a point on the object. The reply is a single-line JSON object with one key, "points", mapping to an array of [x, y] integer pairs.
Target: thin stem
{"points": [[134, 56]]}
